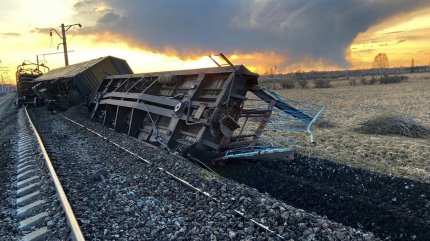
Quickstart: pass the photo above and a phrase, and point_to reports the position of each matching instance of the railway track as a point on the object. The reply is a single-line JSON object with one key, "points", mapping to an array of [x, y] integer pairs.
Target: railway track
{"points": [[42, 205], [5, 98], [178, 179], [351, 198], [391, 207], [121, 190], [206, 195]]}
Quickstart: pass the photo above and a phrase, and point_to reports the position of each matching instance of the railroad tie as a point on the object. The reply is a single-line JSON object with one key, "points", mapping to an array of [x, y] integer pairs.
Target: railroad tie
{"points": [[30, 202]]}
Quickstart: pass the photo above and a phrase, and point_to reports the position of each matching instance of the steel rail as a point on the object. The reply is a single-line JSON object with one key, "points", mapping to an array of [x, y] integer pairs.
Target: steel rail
{"points": [[174, 177], [6, 98], [76, 233]]}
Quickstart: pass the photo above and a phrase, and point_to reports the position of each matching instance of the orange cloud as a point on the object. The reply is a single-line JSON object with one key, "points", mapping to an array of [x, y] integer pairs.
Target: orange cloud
{"points": [[256, 61], [402, 38]]}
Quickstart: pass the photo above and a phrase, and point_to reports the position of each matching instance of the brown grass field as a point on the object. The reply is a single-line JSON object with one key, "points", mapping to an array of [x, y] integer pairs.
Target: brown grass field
{"points": [[349, 106]]}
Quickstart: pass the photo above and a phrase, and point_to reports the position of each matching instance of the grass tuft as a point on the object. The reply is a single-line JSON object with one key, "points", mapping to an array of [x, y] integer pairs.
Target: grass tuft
{"points": [[394, 125]]}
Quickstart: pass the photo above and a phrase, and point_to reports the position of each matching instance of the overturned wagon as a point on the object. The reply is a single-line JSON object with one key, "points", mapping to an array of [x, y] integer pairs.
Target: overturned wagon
{"points": [[202, 109], [73, 84], [218, 113]]}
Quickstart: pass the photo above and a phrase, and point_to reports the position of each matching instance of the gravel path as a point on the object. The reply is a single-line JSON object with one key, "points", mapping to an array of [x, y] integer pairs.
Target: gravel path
{"points": [[8, 136], [136, 201]]}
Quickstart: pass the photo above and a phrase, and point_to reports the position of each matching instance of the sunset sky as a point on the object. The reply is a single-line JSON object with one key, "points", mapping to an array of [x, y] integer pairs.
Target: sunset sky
{"points": [[179, 34]]}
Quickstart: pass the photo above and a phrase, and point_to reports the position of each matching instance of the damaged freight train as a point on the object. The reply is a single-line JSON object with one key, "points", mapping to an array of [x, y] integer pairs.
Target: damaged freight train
{"points": [[75, 83], [221, 111]]}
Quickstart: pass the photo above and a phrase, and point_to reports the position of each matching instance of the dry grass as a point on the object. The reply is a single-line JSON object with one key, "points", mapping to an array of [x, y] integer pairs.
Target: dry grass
{"points": [[394, 125], [351, 106]]}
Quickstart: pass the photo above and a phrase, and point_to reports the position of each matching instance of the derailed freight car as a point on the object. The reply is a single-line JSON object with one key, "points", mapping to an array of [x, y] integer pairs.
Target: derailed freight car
{"points": [[200, 111], [220, 111], [75, 83]]}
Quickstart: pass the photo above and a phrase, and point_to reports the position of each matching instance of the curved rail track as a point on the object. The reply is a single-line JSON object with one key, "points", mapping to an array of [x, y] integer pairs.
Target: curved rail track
{"points": [[35, 201]]}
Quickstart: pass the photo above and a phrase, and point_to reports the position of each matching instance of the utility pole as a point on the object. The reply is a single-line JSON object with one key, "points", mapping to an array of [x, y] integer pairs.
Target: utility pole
{"points": [[37, 61], [64, 29]]}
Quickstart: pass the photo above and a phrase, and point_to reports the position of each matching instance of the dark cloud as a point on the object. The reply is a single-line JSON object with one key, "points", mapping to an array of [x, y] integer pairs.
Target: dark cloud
{"points": [[90, 8], [320, 29], [108, 18]]}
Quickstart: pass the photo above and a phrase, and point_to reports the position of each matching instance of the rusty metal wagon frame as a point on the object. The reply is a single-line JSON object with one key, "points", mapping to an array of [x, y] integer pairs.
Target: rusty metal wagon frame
{"points": [[204, 112], [196, 109]]}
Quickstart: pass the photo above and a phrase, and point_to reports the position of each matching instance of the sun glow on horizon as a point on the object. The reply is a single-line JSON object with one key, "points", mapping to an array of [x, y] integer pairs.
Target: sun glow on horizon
{"points": [[405, 39], [400, 37]]}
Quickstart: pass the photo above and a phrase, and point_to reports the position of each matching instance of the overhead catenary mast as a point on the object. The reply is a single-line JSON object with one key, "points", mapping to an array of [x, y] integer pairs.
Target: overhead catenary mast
{"points": [[64, 29]]}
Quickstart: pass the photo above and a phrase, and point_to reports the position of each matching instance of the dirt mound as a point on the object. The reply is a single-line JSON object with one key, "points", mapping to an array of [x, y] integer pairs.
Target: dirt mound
{"points": [[394, 125]]}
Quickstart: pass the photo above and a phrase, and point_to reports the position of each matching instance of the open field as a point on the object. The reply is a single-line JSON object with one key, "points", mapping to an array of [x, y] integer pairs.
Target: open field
{"points": [[349, 106]]}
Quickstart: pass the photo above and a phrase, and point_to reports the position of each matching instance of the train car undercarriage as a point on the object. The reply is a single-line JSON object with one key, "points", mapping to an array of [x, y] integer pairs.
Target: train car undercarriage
{"points": [[197, 111], [218, 113]]}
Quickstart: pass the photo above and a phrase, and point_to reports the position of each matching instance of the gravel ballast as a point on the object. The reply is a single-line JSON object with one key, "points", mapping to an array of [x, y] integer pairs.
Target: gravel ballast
{"points": [[8, 137], [132, 200]]}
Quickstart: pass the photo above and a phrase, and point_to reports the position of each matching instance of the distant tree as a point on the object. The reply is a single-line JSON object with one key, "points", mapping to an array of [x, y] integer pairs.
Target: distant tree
{"points": [[380, 62], [412, 66], [271, 72], [299, 73]]}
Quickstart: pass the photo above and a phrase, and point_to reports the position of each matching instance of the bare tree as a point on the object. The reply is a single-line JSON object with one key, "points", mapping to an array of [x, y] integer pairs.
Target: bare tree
{"points": [[380, 62]]}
